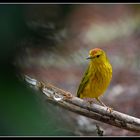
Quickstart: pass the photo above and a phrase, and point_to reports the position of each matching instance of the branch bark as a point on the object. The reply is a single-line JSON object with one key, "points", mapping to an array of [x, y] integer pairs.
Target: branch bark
{"points": [[77, 105]]}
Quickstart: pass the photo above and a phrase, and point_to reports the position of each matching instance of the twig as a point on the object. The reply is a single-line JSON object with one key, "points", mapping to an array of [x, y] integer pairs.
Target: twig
{"points": [[99, 131], [77, 105]]}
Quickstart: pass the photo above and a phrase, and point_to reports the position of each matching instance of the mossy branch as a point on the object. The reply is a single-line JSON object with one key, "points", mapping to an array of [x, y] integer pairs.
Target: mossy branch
{"points": [[77, 105]]}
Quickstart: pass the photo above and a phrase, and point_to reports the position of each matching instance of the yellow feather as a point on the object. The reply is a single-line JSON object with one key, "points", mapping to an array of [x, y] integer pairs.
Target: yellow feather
{"points": [[97, 77]]}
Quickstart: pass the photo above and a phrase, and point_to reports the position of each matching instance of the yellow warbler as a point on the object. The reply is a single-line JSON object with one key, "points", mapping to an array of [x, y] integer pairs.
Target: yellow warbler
{"points": [[97, 76]]}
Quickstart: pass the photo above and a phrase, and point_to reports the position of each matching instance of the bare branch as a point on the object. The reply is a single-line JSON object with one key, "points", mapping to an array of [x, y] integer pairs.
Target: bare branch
{"points": [[77, 105]]}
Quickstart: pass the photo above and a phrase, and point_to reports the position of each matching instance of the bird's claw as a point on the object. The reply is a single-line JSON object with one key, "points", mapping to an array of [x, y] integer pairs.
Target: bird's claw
{"points": [[110, 109], [68, 95], [88, 100]]}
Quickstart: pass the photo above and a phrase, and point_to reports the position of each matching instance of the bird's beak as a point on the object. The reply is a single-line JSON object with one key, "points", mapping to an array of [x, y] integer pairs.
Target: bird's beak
{"points": [[89, 57]]}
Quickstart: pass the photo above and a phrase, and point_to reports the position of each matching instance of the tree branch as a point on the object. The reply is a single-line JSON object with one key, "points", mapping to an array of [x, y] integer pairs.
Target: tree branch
{"points": [[77, 105]]}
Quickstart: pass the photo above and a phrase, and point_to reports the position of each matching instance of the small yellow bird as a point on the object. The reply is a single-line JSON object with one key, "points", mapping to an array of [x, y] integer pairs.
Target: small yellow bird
{"points": [[97, 76]]}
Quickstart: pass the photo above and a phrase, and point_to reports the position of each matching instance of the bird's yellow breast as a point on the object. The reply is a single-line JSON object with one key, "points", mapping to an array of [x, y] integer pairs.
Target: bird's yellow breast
{"points": [[99, 79]]}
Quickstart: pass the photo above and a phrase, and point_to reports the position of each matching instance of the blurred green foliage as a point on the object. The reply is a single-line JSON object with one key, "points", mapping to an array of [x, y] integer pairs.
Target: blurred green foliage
{"points": [[21, 110], [12, 28], [22, 113]]}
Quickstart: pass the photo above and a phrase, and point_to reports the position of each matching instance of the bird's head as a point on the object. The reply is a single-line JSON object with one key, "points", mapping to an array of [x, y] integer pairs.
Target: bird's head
{"points": [[97, 55]]}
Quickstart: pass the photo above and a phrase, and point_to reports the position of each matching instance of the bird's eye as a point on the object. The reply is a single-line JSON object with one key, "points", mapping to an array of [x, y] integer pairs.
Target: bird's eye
{"points": [[97, 56]]}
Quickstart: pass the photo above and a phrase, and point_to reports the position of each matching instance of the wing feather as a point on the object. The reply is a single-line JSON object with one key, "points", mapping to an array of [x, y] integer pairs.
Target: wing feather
{"points": [[83, 83]]}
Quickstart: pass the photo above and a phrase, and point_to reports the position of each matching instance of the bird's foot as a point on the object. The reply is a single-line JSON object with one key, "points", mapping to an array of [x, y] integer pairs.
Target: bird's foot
{"points": [[68, 95], [89, 102], [109, 109]]}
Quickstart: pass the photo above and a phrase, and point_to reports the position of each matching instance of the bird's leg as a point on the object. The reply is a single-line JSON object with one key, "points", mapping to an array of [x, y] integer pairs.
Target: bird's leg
{"points": [[101, 102], [108, 108]]}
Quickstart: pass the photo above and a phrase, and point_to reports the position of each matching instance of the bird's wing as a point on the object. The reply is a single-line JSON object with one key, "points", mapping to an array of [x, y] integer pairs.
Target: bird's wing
{"points": [[83, 83]]}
